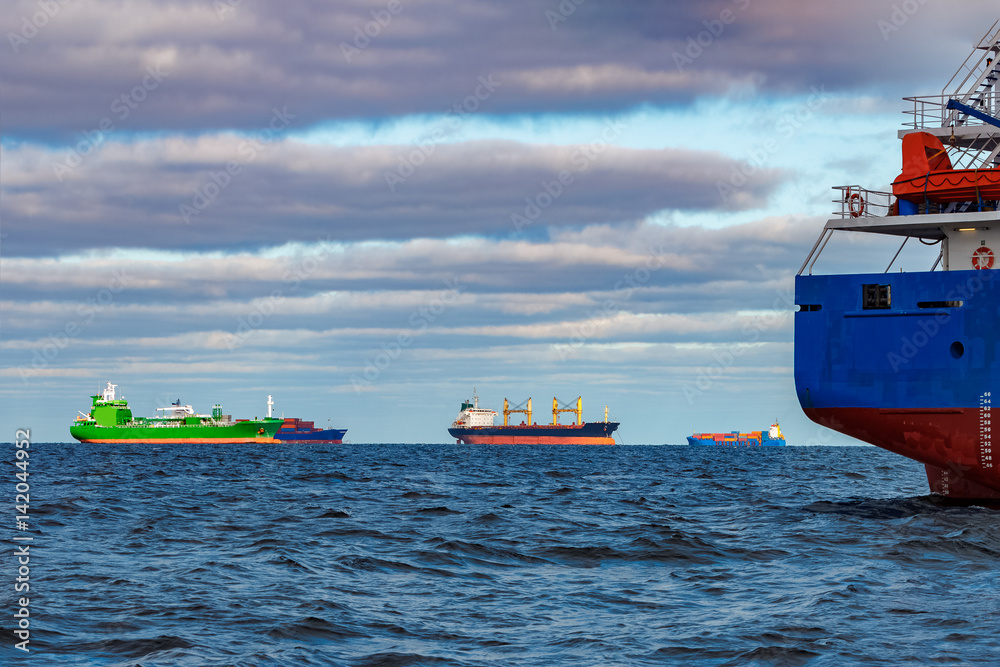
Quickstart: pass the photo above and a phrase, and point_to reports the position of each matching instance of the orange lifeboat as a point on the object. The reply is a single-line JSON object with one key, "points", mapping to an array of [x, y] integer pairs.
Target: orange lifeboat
{"points": [[929, 177]]}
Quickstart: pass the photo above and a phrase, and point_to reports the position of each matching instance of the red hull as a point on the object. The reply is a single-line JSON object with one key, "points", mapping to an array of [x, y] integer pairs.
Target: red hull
{"points": [[954, 444], [531, 440]]}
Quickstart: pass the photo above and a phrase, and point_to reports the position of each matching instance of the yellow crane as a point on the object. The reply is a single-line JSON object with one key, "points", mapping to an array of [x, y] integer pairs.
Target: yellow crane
{"points": [[507, 412], [578, 410]]}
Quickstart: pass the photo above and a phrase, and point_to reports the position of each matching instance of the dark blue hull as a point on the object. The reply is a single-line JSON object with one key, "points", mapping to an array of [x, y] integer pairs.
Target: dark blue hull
{"points": [[334, 436]]}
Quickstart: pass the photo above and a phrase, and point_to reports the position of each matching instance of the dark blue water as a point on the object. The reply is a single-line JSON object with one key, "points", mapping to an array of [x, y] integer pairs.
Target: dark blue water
{"points": [[441, 555]]}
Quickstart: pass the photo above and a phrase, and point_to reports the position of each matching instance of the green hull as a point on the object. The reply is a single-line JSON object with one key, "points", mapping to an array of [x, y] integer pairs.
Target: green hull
{"points": [[111, 420], [261, 430]]}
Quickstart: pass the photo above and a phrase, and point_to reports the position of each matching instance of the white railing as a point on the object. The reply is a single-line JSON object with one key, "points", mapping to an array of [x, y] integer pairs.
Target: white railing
{"points": [[932, 112], [857, 202]]}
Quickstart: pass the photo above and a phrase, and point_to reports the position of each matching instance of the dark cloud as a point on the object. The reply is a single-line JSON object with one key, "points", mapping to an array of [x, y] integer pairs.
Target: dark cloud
{"points": [[221, 70], [179, 194]]}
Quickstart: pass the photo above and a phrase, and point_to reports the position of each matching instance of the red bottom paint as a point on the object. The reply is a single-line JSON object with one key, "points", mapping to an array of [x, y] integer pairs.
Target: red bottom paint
{"points": [[531, 440], [954, 444]]}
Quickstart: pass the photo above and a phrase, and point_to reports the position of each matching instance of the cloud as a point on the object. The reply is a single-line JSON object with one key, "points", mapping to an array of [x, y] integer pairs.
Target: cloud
{"points": [[225, 69], [602, 80], [592, 258], [638, 283], [227, 192]]}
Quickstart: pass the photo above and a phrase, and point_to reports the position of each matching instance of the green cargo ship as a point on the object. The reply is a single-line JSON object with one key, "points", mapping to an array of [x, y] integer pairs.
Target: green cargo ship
{"points": [[110, 420]]}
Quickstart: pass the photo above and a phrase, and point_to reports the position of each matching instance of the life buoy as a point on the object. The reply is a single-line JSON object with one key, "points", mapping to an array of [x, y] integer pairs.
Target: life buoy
{"points": [[982, 258], [856, 204]]}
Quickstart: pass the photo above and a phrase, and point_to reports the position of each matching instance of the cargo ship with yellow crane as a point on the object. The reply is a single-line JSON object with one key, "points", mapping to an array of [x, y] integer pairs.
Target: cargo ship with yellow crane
{"points": [[474, 426]]}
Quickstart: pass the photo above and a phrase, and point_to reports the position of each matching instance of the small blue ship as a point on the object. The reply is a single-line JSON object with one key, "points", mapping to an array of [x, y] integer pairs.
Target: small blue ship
{"points": [[298, 432], [770, 438]]}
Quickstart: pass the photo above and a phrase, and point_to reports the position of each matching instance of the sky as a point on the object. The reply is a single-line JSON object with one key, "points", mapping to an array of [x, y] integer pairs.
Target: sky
{"points": [[371, 209]]}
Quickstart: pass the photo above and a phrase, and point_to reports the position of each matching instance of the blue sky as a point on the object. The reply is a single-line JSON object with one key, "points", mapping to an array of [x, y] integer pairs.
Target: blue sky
{"points": [[217, 201]]}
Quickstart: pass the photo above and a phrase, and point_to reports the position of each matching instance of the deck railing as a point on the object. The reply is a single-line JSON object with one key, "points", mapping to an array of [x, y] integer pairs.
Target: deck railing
{"points": [[932, 112], [858, 202]]}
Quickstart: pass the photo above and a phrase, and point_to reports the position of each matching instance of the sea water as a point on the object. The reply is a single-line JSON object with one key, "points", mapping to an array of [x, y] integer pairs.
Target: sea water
{"points": [[442, 555]]}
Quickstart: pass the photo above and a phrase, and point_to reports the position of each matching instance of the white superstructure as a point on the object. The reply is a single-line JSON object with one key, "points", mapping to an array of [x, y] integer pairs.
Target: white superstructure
{"points": [[109, 392], [473, 415]]}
